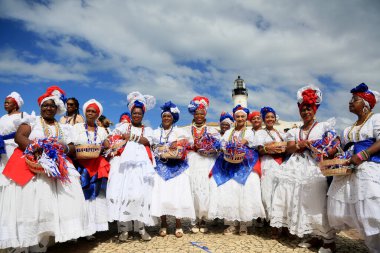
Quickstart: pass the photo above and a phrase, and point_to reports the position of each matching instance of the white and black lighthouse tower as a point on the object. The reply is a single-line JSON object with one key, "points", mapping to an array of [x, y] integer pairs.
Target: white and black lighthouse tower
{"points": [[240, 93]]}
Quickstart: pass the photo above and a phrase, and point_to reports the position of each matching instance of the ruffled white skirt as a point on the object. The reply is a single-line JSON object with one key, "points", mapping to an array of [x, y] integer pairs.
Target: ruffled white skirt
{"points": [[130, 185], [199, 169], [173, 197], [269, 168], [354, 200], [236, 202], [42, 207], [300, 198], [98, 213]]}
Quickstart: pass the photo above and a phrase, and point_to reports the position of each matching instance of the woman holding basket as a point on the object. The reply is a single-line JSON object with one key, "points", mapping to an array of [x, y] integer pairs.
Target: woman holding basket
{"points": [[299, 200], [271, 145], [354, 200], [201, 158], [172, 191], [131, 178], [89, 139], [235, 187], [45, 198]]}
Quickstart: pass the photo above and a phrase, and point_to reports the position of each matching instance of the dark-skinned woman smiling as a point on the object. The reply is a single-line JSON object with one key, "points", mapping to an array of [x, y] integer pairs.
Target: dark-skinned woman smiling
{"points": [[39, 205]]}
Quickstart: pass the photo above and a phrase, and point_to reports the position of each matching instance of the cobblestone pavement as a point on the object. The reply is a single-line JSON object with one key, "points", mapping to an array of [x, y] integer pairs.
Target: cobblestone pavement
{"points": [[258, 240]]}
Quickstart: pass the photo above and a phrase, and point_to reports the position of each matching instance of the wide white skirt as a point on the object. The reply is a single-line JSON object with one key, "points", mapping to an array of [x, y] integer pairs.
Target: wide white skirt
{"points": [[199, 169], [98, 212], [300, 198], [236, 202], [354, 200], [130, 185], [269, 168], [173, 197], [43, 207]]}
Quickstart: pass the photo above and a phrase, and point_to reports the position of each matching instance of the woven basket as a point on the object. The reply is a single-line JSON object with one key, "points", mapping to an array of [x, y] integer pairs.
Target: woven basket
{"points": [[327, 167], [282, 145], [171, 153], [234, 158], [87, 151], [35, 167], [207, 153]]}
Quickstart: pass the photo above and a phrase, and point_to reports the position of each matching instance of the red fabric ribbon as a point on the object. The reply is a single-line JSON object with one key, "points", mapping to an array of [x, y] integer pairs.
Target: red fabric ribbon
{"points": [[17, 169], [97, 165]]}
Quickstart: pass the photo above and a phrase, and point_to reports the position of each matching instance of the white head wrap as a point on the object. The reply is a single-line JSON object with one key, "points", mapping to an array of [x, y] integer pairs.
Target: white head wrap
{"points": [[17, 97], [93, 101]]}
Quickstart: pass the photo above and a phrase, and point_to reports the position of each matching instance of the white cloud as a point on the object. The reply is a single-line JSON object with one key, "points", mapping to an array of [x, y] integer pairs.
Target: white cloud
{"points": [[276, 45], [13, 65]]}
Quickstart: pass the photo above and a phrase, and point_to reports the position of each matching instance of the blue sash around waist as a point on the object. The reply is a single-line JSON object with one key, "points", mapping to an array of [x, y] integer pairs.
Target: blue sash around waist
{"points": [[3, 138], [171, 168], [91, 186], [223, 171]]}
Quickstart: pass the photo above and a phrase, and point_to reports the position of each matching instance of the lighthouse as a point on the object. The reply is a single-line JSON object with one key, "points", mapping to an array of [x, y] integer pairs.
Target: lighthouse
{"points": [[239, 93]]}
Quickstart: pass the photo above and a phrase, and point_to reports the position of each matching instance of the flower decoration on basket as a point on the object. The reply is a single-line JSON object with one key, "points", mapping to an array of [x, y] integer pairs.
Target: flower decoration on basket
{"points": [[174, 150], [117, 145], [320, 151], [208, 145], [320, 148], [47, 156], [234, 152]]}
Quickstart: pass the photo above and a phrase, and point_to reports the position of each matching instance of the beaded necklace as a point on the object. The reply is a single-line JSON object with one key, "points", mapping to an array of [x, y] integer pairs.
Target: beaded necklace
{"points": [[198, 135], [271, 136], [308, 132], [351, 135], [130, 129], [95, 134], [48, 133], [166, 138], [241, 134]]}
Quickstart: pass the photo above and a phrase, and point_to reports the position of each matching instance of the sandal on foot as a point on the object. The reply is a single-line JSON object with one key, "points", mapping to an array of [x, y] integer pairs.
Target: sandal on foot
{"points": [[230, 230], [243, 229], [144, 235], [123, 237], [162, 232], [195, 229], [90, 238], [178, 232], [203, 229], [312, 242]]}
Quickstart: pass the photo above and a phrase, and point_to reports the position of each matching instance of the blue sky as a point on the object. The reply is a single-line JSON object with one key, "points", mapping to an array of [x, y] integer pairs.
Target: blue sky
{"points": [[175, 50]]}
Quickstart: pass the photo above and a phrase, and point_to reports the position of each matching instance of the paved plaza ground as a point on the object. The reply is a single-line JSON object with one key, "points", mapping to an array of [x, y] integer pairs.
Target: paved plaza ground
{"points": [[258, 240]]}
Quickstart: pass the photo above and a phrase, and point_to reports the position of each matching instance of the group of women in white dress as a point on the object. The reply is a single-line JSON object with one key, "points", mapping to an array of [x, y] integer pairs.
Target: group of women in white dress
{"points": [[244, 175]]}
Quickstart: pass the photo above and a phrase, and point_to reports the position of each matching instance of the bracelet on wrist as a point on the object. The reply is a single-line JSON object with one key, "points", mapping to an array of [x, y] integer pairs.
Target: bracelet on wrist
{"points": [[265, 150], [67, 149], [365, 155]]}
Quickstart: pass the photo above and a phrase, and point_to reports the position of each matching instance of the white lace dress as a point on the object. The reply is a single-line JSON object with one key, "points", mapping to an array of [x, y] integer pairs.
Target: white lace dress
{"points": [[269, 166], [299, 199], [97, 208], [199, 169], [354, 200], [172, 196], [44, 206], [233, 201], [131, 180]]}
